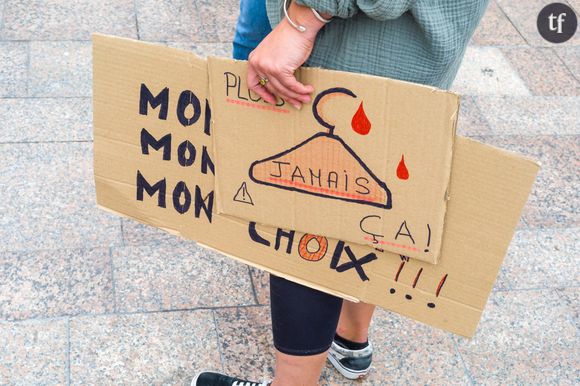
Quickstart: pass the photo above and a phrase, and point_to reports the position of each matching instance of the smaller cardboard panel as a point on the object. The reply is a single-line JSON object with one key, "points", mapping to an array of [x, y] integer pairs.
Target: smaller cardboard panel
{"points": [[488, 189], [368, 161]]}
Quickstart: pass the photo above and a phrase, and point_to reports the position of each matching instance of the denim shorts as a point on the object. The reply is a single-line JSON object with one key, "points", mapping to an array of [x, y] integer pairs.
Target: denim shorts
{"points": [[253, 26]]}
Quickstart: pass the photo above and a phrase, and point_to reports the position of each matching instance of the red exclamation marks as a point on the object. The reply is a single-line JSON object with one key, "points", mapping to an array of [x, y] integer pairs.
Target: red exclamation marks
{"points": [[417, 277], [399, 270], [402, 171], [360, 123], [438, 291], [404, 259], [440, 286]]}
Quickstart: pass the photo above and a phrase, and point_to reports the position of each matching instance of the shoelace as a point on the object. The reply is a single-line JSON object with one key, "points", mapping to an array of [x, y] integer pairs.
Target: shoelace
{"points": [[247, 383]]}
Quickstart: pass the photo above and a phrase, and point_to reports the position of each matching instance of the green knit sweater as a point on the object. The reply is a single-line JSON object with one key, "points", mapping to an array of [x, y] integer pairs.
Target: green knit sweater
{"points": [[421, 41]]}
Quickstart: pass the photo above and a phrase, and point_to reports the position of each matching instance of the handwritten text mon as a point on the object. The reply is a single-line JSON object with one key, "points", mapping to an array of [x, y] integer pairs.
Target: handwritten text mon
{"points": [[188, 112]]}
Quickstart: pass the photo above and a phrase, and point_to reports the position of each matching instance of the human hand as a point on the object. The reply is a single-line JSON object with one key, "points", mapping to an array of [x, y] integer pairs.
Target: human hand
{"points": [[280, 54]]}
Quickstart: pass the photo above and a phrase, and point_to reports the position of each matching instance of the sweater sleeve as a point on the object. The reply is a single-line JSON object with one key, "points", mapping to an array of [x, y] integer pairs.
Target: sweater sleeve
{"points": [[375, 9]]}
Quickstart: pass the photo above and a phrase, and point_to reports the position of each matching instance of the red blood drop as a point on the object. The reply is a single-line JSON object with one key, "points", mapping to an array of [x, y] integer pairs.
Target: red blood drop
{"points": [[360, 123], [402, 171]]}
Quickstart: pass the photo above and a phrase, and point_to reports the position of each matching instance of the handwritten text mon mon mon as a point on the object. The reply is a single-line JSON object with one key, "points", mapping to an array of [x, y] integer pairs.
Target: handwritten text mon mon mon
{"points": [[188, 113]]}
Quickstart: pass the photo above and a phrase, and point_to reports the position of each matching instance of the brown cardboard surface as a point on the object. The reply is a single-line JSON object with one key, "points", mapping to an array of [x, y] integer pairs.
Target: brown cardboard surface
{"points": [[367, 162], [488, 188]]}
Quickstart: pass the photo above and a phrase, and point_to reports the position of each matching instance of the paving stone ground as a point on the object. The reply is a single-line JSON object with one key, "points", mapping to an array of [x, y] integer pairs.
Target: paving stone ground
{"points": [[89, 298]]}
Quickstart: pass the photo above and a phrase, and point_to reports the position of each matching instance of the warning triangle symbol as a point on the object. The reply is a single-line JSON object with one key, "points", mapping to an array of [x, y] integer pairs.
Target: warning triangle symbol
{"points": [[242, 195]]}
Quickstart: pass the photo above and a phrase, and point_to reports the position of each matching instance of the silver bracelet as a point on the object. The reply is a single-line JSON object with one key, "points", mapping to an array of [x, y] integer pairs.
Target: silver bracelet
{"points": [[319, 17], [300, 27]]}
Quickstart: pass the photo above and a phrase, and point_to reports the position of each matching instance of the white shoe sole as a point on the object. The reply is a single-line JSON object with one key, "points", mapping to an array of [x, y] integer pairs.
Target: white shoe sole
{"points": [[346, 372], [194, 380]]}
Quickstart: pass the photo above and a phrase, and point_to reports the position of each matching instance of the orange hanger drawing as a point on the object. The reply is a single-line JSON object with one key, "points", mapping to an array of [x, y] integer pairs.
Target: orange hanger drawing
{"points": [[324, 165]]}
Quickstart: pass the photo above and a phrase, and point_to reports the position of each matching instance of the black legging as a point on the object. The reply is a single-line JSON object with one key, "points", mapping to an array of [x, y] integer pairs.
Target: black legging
{"points": [[304, 320]]}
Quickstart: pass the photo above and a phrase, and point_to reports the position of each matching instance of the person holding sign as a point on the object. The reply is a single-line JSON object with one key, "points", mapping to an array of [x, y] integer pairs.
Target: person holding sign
{"points": [[421, 41]]}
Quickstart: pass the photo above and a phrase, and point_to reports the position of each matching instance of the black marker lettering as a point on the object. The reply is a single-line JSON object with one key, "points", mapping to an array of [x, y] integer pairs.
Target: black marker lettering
{"points": [[200, 203], [406, 232], [255, 236], [289, 235], [240, 89], [229, 79], [185, 99], [331, 180], [186, 153], [279, 168], [181, 189], [366, 190], [252, 99], [206, 162], [336, 255], [160, 187], [353, 263], [207, 121], [297, 173], [313, 176], [148, 140], [146, 98]]}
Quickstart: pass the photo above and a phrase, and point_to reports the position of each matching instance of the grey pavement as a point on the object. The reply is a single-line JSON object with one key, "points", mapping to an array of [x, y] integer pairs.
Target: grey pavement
{"points": [[89, 298]]}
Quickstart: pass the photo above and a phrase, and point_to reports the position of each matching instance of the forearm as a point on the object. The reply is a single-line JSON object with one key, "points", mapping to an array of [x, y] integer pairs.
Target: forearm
{"points": [[303, 15], [272, 64]]}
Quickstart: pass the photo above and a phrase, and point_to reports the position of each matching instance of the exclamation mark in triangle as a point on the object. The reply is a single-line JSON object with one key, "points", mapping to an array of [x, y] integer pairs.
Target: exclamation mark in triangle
{"points": [[242, 195]]}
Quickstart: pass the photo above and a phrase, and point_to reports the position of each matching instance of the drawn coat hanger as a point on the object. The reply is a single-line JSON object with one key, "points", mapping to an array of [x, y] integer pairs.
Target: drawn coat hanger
{"points": [[325, 166]]}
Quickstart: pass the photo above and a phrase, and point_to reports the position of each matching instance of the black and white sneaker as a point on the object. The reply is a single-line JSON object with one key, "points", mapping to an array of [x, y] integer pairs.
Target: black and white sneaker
{"points": [[208, 378], [353, 364]]}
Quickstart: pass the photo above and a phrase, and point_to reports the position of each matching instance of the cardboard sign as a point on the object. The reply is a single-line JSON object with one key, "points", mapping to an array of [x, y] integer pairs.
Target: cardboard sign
{"points": [[367, 162], [154, 162]]}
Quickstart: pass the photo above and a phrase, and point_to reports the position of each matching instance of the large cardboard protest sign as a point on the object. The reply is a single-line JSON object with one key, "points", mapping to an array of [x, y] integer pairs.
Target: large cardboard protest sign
{"points": [[155, 162], [367, 162]]}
